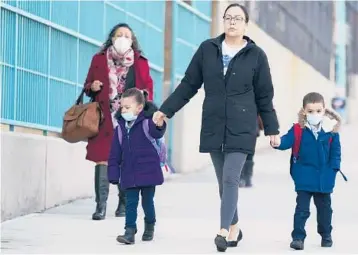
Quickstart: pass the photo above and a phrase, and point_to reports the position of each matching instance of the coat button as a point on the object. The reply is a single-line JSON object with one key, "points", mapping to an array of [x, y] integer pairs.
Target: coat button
{"points": [[233, 73]]}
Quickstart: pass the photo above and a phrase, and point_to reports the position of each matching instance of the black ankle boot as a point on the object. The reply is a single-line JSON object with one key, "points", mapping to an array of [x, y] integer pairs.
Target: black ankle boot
{"points": [[128, 237], [101, 186], [249, 167], [327, 242], [121, 209], [148, 232], [244, 177], [297, 244]]}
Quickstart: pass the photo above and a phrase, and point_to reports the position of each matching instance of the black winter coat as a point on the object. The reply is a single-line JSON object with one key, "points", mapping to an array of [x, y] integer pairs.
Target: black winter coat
{"points": [[232, 102]]}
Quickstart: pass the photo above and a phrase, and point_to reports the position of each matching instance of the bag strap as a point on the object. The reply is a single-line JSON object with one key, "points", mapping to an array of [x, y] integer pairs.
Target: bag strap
{"points": [[297, 131], [145, 125], [79, 100]]}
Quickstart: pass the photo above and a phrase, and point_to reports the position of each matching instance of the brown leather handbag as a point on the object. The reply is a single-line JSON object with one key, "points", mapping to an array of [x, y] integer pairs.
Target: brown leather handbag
{"points": [[82, 121]]}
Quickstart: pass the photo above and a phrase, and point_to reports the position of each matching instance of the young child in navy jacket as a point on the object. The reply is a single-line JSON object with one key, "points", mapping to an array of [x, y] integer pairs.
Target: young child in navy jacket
{"points": [[135, 161], [315, 168]]}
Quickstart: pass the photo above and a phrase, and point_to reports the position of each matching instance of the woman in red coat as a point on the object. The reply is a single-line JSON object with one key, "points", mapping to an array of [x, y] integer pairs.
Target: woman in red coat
{"points": [[118, 66]]}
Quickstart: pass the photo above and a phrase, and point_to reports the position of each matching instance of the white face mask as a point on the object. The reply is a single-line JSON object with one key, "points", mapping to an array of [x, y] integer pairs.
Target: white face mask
{"points": [[314, 118], [122, 44]]}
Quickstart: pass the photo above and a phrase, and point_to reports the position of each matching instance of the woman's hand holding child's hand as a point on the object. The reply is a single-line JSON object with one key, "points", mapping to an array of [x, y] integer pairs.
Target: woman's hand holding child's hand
{"points": [[275, 140], [158, 118], [160, 123]]}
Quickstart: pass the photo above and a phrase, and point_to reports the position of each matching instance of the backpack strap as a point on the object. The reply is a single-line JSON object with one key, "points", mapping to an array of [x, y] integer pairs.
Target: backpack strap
{"points": [[297, 131], [145, 125], [120, 134]]}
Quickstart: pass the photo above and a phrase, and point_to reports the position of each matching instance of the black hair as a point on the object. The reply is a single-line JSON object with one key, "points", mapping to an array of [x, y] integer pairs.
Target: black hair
{"points": [[108, 42], [312, 98], [243, 8], [141, 96]]}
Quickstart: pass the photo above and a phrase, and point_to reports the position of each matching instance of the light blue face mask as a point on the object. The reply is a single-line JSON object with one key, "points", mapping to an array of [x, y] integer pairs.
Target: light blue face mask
{"points": [[129, 116], [314, 118]]}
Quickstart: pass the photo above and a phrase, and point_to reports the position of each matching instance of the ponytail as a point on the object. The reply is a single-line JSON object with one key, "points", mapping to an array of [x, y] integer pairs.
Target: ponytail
{"points": [[145, 94]]}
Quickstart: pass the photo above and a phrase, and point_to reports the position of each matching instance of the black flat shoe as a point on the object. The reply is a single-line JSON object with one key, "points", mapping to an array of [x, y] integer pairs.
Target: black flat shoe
{"points": [[234, 243], [221, 243]]}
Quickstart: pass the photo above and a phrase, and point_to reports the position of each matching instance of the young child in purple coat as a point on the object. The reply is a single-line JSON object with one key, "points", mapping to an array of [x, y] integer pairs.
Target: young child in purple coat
{"points": [[135, 161]]}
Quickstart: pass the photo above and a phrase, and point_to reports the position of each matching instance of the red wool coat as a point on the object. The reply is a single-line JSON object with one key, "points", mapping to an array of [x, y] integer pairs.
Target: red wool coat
{"points": [[98, 147]]}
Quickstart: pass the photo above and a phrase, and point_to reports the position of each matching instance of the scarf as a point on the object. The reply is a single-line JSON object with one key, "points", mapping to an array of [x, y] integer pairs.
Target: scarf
{"points": [[118, 66]]}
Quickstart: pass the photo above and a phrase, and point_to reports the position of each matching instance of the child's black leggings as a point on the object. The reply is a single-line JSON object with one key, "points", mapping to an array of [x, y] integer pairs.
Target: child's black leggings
{"points": [[302, 213], [132, 196]]}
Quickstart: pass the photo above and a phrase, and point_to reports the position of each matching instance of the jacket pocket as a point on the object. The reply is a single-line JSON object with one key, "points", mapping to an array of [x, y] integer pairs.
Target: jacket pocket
{"points": [[241, 120]]}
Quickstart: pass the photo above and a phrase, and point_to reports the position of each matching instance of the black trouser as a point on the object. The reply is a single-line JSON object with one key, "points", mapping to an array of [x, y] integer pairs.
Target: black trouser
{"points": [[302, 213]]}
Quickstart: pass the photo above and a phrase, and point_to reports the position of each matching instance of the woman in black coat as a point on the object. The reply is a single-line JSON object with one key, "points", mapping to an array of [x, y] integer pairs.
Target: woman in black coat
{"points": [[238, 86]]}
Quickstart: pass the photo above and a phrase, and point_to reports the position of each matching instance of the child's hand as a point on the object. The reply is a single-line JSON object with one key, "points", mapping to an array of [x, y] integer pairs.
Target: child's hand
{"points": [[159, 123], [275, 140]]}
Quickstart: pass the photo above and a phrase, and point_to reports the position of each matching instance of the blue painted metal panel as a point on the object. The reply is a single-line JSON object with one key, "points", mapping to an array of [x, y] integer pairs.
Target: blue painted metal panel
{"points": [[92, 19], [65, 13], [204, 27], [121, 4], [138, 28], [153, 46], [203, 6], [7, 92], [185, 54], [138, 8], [158, 86], [7, 43], [31, 98], [188, 38], [32, 45], [113, 17], [186, 19], [63, 56], [155, 13], [87, 51], [10, 2], [61, 96], [38, 8]]}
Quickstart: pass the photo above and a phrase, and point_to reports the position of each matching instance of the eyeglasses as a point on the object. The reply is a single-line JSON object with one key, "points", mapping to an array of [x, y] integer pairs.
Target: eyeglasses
{"points": [[237, 19]]}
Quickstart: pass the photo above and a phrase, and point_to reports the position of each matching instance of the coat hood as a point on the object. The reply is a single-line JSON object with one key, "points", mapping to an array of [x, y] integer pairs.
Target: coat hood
{"points": [[330, 114]]}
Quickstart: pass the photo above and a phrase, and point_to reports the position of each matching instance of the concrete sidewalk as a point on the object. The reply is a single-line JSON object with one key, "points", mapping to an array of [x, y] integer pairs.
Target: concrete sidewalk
{"points": [[188, 215]]}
